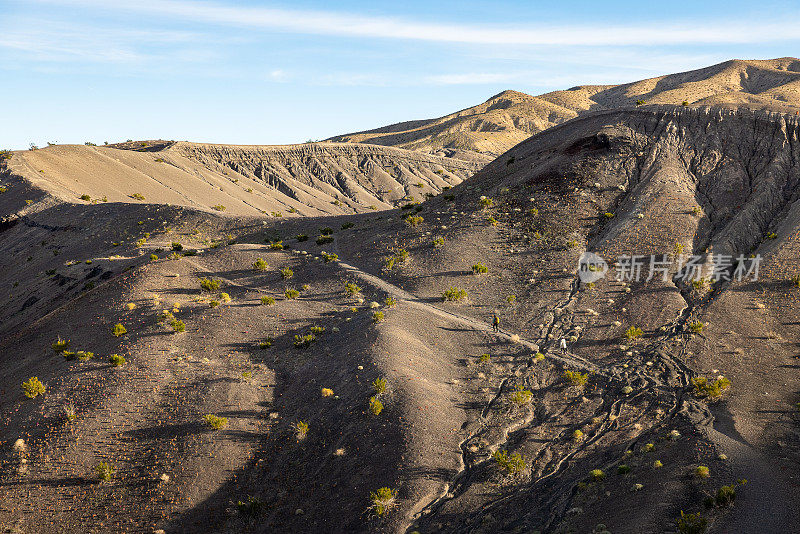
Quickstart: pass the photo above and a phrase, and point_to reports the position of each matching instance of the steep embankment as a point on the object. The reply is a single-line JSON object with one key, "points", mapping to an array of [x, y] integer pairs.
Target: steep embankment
{"points": [[310, 179], [511, 116]]}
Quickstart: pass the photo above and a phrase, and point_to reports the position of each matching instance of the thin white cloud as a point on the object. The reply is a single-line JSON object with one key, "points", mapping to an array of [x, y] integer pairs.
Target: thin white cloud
{"points": [[351, 25]]}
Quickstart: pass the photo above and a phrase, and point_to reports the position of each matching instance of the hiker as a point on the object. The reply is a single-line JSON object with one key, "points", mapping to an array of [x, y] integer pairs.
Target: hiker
{"points": [[495, 322]]}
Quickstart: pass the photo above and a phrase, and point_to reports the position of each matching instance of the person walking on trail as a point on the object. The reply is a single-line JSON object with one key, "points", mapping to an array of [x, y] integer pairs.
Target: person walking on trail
{"points": [[495, 322]]}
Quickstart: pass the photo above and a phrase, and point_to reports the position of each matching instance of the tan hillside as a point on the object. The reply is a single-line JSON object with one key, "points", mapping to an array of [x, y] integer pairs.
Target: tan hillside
{"points": [[308, 179], [568, 424], [511, 116]]}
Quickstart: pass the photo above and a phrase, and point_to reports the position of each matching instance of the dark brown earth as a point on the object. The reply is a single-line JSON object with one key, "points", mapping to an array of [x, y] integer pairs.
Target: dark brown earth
{"points": [[715, 181]]}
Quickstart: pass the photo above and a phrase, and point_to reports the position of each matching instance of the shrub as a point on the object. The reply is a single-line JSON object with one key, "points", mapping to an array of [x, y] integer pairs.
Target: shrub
{"points": [[512, 464], [701, 471], [696, 327], [492, 221], [725, 496], [317, 329], [634, 332], [379, 385], [375, 406], [218, 207], [438, 242], [640, 102], [252, 507], [486, 202], [267, 300], [267, 343], [260, 265], [597, 475], [658, 464], [32, 387], [479, 268], [454, 294], [213, 303], [215, 421], [377, 317], [85, 197], [623, 469], [137, 196], [692, 524], [538, 357], [300, 430], [61, 345], [84, 355], [484, 358], [301, 237], [326, 231], [347, 225], [104, 471], [291, 294], [286, 273], [575, 378], [796, 280], [608, 215], [772, 235], [351, 289], [302, 342], [178, 325], [117, 360], [276, 245], [323, 239], [711, 389], [414, 220], [209, 284], [685, 103], [326, 392], [329, 257], [119, 330], [521, 396], [577, 435], [383, 500], [389, 302], [69, 412], [648, 447]]}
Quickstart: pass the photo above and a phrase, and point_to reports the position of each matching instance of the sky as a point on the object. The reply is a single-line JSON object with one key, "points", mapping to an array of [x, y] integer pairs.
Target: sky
{"points": [[263, 72]]}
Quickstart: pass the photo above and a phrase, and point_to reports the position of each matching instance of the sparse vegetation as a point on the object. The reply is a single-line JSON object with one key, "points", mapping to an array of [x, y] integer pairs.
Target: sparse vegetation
{"points": [[178, 325], [597, 475], [375, 406], [379, 385], [117, 360], [389, 302], [218, 207], [414, 220], [215, 422], [137, 196], [33, 387], [521, 397], [119, 330], [209, 284], [383, 500], [377, 317], [327, 258], [260, 265], [61, 345], [696, 327], [302, 342], [485, 202], [454, 294], [85, 197], [276, 245], [104, 471], [701, 471], [300, 430], [177, 247], [479, 268], [301, 237], [351, 289], [691, 524], [291, 294], [323, 239], [286, 273], [575, 378], [712, 389], [632, 333], [438, 242], [267, 300], [510, 463]]}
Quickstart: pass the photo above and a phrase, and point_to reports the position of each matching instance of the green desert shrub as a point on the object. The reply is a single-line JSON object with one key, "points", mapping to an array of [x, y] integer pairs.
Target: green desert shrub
{"points": [[260, 265], [137, 196], [414, 220], [379, 385], [209, 284], [104, 471], [438, 242], [377, 317], [215, 422], [623, 469], [316, 329], [486, 202], [796, 280], [691, 524], [713, 389], [347, 225], [301, 237], [511, 299], [383, 500], [479, 268], [521, 396], [696, 327], [291, 294], [327, 258], [484, 358], [218, 207], [510, 463], [597, 475], [286, 273], [85, 197], [300, 430], [577, 435], [375, 406], [351, 289], [701, 471], [634, 332], [326, 231], [267, 300], [276, 245], [32, 387], [323, 239], [302, 342], [390, 302], [454, 294], [117, 360], [84, 355], [119, 330], [575, 378], [153, 257], [60, 345], [213, 303], [178, 325], [725, 496], [251, 508], [267, 343]]}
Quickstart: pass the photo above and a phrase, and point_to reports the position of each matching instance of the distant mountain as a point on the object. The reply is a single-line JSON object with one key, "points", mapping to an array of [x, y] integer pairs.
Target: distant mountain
{"points": [[510, 117]]}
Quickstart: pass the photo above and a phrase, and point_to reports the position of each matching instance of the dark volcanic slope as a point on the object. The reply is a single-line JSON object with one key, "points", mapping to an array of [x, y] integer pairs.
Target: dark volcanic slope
{"points": [[512, 116], [707, 180]]}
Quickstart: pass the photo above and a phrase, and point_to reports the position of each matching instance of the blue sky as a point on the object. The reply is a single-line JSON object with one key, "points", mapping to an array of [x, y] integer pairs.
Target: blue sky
{"points": [[265, 72]]}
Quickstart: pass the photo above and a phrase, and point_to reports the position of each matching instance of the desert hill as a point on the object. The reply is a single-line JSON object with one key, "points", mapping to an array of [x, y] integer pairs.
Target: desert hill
{"points": [[309, 179], [512, 116]]}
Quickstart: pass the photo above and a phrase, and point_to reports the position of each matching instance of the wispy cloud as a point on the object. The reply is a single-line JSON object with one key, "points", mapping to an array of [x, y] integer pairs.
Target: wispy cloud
{"points": [[351, 25]]}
